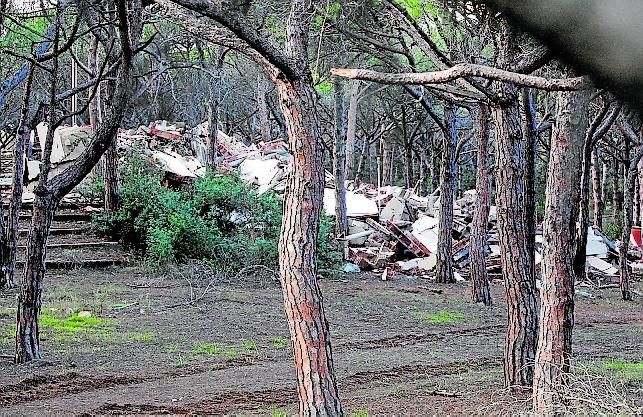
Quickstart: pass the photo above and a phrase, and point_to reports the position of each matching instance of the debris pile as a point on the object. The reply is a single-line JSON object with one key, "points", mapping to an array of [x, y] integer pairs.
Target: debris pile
{"points": [[391, 229]]}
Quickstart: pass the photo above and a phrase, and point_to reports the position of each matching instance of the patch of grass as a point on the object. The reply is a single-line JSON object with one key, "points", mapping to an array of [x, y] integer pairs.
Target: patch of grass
{"points": [[441, 317], [75, 324], [249, 345], [628, 371], [231, 353], [278, 342], [275, 412], [206, 349], [141, 337], [359, 413]]}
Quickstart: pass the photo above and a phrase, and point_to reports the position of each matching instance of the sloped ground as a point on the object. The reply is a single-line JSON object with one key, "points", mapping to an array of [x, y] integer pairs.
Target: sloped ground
{"points": [[403, 347]]}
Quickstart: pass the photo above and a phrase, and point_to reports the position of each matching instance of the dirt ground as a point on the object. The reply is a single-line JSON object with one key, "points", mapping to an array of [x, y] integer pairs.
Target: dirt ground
{"points": [[186, 342]]}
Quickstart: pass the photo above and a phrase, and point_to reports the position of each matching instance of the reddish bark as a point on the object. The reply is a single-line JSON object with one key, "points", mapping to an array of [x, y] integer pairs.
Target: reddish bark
{"points": [[303, 300], [560, 243]]}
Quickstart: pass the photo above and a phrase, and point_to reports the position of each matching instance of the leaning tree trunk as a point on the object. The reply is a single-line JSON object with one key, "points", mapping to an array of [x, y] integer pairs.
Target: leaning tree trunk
{"points": [[596, 187], [513, 233], [444, 266], [479, 278], [339, 161], [303, 300], [559, 250]]}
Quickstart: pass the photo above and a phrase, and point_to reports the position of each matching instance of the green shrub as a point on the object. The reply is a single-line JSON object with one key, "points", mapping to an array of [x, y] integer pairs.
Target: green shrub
{"points": [[614, 229], [218, 219]]}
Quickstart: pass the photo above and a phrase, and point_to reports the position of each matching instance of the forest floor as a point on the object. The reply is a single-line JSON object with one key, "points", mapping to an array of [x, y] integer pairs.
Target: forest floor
{"points": [[401, 347]]}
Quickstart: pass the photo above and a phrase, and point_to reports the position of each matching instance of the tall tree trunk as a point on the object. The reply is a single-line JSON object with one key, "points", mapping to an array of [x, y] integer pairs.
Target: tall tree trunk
{"points": [[339, 160], [624, 268], [422, 170], [297, 247], [529, 133], [352, 129], [617, 185], [559, 249], [262, 109], [479, 278], [9, 232], [596, 187], [444, 266], [513, 233], [387, 162], [604, 190]]}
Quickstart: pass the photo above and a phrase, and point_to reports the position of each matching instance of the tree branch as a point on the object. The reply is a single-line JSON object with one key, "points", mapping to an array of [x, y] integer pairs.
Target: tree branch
{"points": [[465, 70]]}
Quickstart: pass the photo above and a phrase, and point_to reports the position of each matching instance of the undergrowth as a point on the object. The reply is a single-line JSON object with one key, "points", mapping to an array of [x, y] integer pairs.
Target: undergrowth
{"points": [[218, 219]]}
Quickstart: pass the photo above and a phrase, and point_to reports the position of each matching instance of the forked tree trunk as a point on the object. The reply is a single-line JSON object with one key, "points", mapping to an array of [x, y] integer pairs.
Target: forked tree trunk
{"points": [[596, 187], [318, 395], [479, 279], [513, 233], [444, 266], [559, 250], [30, 296], [339, 161]]}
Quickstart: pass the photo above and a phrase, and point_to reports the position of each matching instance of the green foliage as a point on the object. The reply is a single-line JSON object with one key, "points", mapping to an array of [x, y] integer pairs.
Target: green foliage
{"points": [[219, 220], [441, 317], [359, 413], [614, 229]]}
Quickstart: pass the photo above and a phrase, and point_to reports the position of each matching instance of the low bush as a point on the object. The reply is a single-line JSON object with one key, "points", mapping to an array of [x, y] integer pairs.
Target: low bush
{"points": [[218, 219]]}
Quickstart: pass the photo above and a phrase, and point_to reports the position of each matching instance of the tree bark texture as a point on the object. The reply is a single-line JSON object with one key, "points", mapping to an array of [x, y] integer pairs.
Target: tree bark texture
{"points": [[513, 233], [351, 131], [444, 266], [300, 227], [629, 188], [339, 161], [9, 231], [596, 188], [560, 242], [262, 109], [479, 278], [111, 176], [30, 296]]}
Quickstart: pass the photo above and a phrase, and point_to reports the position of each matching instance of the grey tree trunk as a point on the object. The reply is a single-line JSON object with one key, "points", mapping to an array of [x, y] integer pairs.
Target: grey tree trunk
{"points": [[596, 188], [444, 267], [339, 160], [478, 243], [262, 109], [352, 129]]}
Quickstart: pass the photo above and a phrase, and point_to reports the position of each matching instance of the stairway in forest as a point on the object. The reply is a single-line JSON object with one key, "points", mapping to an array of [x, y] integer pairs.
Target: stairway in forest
{"points": [[72, 243]]}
